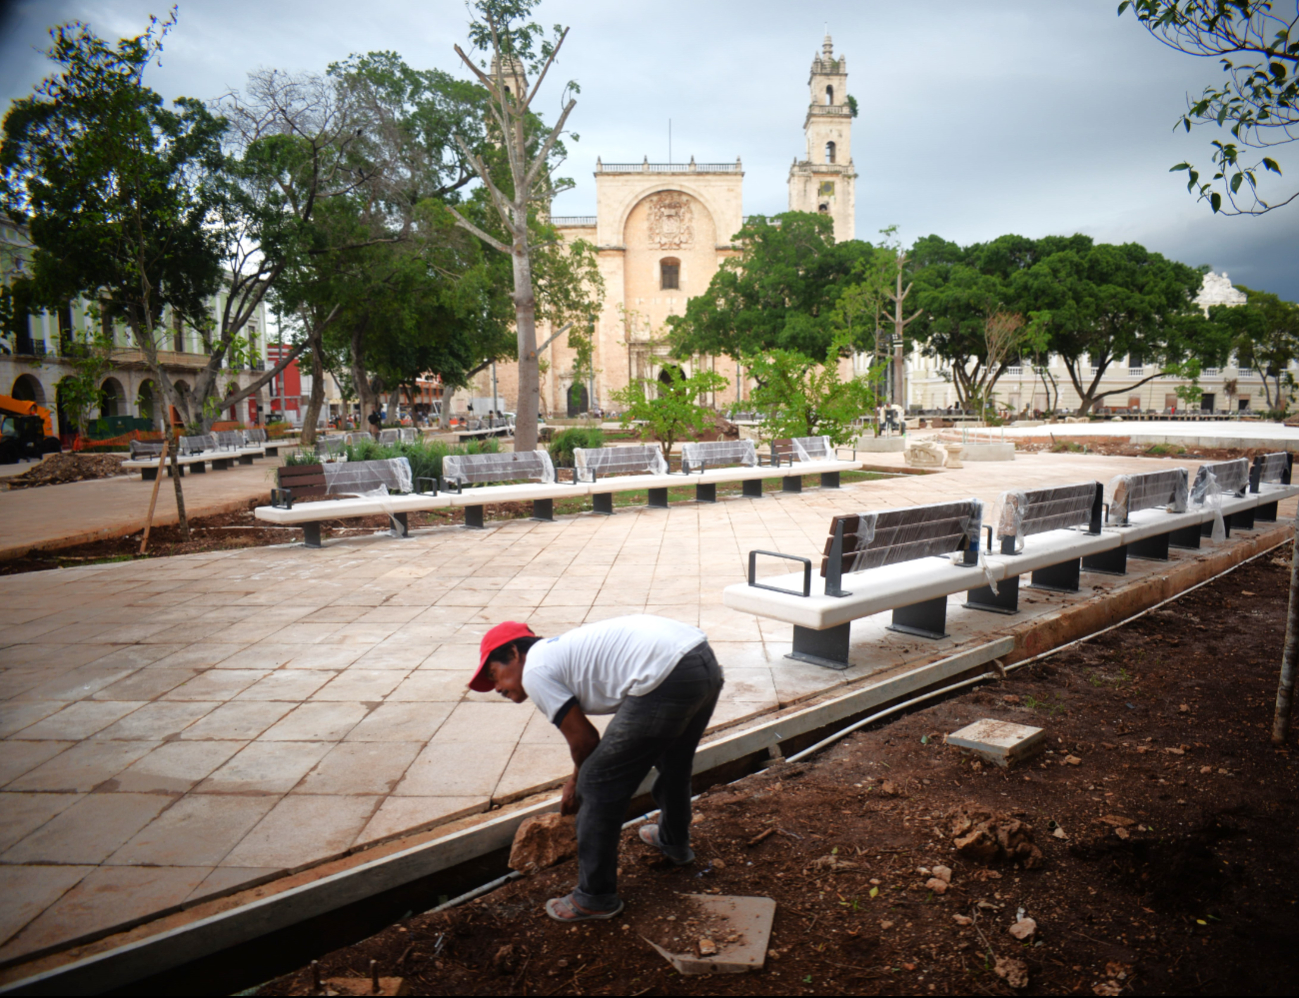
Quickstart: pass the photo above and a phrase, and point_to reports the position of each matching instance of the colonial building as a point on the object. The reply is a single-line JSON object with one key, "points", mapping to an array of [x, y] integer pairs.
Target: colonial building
{"points": [[661, 231]]}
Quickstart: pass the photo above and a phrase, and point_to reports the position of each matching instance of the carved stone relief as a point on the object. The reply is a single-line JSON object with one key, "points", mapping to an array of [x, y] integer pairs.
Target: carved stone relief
{"points": [[671, 221]]}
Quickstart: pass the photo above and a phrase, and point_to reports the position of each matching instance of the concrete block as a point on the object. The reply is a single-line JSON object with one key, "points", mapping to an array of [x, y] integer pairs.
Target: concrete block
{"points": [[989, 452], [1002, 742], [880, 445], [740, 929]]}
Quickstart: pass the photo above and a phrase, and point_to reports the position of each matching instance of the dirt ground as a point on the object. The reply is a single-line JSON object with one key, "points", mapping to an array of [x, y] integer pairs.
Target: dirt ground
{"points": [[1164, 819], [59, 469], [1062, 443]]}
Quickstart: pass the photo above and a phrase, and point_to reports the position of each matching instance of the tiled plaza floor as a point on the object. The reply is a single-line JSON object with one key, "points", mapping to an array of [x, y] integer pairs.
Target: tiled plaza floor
{"points": [[175, 728]]}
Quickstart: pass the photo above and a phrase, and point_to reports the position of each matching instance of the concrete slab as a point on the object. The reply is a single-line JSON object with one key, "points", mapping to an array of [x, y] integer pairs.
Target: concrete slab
{"points": [[738, 928], [1001, 742]]}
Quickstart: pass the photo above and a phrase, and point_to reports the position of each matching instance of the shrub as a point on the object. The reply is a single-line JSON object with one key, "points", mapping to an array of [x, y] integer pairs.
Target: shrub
{"points": [[562, 446], [425, 457]]}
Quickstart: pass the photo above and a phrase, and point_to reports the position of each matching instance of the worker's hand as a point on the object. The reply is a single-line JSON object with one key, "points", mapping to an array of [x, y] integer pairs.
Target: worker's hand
{"points": [[569, 802]]}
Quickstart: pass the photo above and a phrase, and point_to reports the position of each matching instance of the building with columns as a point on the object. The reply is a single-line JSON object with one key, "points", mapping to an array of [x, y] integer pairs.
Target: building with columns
{"points": [[661, 231]]}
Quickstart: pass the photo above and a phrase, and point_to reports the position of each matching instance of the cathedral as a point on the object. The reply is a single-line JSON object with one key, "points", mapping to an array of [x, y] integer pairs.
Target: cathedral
{"points": [[661, 231]]}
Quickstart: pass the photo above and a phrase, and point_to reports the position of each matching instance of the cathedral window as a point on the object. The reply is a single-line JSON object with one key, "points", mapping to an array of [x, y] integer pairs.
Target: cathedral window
{"points": [[829, 95], [669, 274], [824, 209], [829, 152]]}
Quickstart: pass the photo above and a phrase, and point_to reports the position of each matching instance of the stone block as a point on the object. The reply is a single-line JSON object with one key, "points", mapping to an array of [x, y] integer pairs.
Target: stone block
{"points": [[543, 841], [739, 930], [1001, 742]]}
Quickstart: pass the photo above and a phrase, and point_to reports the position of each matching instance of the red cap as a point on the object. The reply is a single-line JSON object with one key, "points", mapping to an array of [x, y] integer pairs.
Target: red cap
{"points": [[501, 634]]}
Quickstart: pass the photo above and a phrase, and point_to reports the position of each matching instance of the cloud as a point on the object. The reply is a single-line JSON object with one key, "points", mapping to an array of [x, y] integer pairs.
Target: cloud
{"points": [[976, 119]]}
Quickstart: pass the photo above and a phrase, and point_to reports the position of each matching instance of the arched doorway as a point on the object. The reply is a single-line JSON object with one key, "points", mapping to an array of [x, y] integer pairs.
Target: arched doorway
{"points": [[112, 398], [668, 374], [67, 416], [28, 389], [579, 400], [147, 403]]}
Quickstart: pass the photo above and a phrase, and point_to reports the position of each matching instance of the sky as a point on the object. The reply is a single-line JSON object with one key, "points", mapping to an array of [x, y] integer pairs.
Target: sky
{"points": [[977, 119]]}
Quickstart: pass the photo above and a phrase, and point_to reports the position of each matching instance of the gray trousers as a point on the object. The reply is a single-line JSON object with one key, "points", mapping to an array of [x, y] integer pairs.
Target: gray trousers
{"points": [[661, 728]]}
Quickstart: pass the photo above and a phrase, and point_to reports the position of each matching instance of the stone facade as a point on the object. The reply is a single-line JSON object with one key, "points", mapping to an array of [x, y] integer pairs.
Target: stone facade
{"points": [[825, 181]]}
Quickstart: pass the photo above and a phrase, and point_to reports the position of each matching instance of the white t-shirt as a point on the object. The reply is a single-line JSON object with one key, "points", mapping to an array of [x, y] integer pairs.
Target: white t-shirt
{"points": [[602, 664]]}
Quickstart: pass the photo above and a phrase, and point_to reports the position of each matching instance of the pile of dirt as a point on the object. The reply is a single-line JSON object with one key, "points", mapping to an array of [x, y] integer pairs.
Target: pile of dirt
{"points": [[60, 469], [1149, 849]]}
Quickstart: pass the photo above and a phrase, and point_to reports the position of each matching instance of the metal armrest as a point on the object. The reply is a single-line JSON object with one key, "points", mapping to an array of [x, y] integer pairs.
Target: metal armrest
{"points": [[454, 488], [282, 498], [419, 492], [807, 572]]}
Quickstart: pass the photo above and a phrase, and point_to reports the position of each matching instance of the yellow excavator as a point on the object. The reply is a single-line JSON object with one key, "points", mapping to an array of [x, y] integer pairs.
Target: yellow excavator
{"points": [[26, 431]]}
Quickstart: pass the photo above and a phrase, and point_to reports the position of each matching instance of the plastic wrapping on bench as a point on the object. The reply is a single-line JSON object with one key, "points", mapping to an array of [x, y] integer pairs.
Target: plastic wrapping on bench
{"points": [[638, 459], [255, 436], [808, 449], [331, 445], [1272, 467], [1220, 478], [197, 444], [474, 469], [145, 448], [871, 540], [229, 439], [1035, 511], [364, 478], [1149, 490], [716, 453]]}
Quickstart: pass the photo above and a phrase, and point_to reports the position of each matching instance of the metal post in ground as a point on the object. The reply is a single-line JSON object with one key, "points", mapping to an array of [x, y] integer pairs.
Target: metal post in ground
{"points": [[1285, 687]]}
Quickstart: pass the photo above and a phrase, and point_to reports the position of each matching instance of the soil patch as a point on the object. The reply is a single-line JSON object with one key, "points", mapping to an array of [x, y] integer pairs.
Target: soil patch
{"points": [[1062, 443], [1164, 820], [60, 469]]}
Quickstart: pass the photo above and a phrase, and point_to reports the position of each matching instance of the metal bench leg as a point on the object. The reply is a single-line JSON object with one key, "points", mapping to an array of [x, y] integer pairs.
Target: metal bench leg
{"points": [[792, 483], [1004, 600], [1206, 528], [311, 535], [245, 459], [1244, 520], [1151, 548], [828, 648], [543, 509], [1062, 578], [403, 527], [829, 479], [924, 620], [1187, 538], [180, 470], [474, 517], [658, 498], [602, 502], [148, 474], [1266, 512], [1114, 562], [198, 468], [221, 464], [753, 488], [273, 451], [706, 492]]}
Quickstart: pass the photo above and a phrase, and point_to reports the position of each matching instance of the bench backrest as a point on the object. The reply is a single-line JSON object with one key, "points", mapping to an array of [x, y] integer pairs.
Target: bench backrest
{"points": [[229, 439], [1271, 469], [637, 459], [343, 478], [718, 454], [389, 436], [145, 448], [481, 469], [332, 445], [1035, 511], [256, 435], [197, 444], [802, 449], [1149, 490], [1230, 477], [859, 541]]}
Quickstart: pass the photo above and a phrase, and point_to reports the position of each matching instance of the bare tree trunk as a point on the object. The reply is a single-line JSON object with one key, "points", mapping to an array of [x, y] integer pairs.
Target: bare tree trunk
{"points": [[1285, 687], [311, 420], [360, 379], [175, 479], [528, 403]]}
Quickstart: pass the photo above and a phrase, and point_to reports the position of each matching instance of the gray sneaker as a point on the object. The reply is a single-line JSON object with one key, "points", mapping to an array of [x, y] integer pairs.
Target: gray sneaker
{"points": [[649, 834]]}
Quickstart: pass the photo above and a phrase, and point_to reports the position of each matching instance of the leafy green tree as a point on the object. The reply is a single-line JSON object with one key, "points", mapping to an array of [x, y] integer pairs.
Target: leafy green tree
{"points": [[801, 397], [779, 293], [1265, 336], [1258, 48], [669, 410]]}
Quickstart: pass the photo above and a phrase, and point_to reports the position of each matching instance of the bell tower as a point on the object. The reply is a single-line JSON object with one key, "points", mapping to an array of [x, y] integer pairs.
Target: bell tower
{"points": [[824, 181]]}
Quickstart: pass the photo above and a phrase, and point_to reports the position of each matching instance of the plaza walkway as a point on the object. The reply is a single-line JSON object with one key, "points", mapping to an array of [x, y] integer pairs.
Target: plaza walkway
{"points": [[176, 729]]}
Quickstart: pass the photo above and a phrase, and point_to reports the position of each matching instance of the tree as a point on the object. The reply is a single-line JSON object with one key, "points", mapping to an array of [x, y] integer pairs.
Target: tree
{"points": [[1265, 336], [669, 409], [1259, 52], [530, 149], [801, 397], [779, 293]]}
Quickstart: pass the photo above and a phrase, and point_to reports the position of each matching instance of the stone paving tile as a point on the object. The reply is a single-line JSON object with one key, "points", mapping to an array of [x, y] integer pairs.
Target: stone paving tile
{"points": [[402, 721], [457, 769], [81, 720], [76, 683], [21, 814], [147, 684], [175, 767], [198, 830], [83, 767], [226, 880], [15, 715], [26, 891], [401, 815], [19, 757], [106, 897], [216, 684], [287, 684], [89, 831], [356, 767], [265, 767], [360, 684], [303, 829], [316, 721]]}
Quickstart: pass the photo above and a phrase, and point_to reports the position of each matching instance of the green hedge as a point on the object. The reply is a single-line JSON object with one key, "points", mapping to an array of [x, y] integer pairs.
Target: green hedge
{"points": [[563, 443], [425, 457]]}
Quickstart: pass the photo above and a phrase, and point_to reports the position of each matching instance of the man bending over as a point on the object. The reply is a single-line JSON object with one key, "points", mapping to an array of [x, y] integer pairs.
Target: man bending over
{"points": [[660, 680]]}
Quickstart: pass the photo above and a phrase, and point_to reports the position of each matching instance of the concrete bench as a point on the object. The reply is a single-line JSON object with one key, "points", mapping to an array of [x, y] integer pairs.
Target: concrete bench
{"points": [[728, 461], [460, 470], [1269, 473], [145, 454], [346, 489], [1032, 514], [1218, 481], [896, 559], [394, 435], [624, 468]]}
